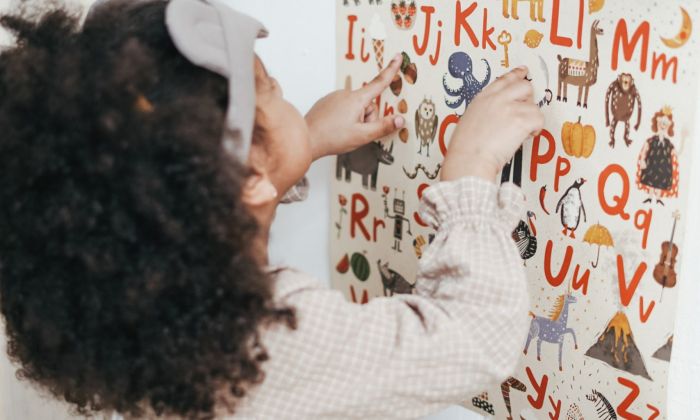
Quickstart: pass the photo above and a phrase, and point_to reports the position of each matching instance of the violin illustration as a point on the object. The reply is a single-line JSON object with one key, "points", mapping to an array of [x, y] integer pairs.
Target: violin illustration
{"points": [[665, 270]]}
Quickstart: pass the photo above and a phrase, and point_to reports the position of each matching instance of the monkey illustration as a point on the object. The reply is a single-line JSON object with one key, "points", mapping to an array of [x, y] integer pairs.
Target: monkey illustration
{"points": [[620, 99], [426, 124]]}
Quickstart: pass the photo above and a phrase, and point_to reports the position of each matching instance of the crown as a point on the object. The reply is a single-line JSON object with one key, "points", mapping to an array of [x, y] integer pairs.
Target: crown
{"points": [[667, 111]]}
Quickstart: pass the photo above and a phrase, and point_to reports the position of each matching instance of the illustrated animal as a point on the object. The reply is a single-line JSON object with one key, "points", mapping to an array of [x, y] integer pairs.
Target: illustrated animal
{"points": [[535, 15], [460, 67], [508, 385], [421, 168], [552, 329], [426, 125], [583, 74], [548, 95], [364, 161], [619, 101], [571, 207], [393, 282], [603, 407], [525, 237]]}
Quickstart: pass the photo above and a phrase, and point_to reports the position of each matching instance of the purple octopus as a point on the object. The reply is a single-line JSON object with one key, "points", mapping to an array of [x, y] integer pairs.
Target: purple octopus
{"points": [[460, 67]]}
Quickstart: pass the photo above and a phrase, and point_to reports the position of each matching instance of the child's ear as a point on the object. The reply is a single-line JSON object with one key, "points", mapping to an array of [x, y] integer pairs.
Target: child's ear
{"points": [[259, 191]]}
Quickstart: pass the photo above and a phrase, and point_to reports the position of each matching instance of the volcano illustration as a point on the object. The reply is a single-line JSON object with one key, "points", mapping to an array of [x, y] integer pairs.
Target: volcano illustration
{"points": [[616, 347], [664, 353]]}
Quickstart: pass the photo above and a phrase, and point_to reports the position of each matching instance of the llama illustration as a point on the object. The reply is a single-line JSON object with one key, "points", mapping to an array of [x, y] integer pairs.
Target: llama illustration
{"points": [[583, 74], [552, 329]]}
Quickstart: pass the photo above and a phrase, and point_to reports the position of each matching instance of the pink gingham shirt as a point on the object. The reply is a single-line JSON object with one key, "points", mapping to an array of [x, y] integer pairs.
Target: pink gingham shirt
{"points": [[409, 355]]}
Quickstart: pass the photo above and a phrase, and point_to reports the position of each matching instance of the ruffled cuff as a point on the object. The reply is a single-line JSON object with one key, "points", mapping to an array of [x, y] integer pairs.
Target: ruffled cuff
{"points": [[474, 201]]}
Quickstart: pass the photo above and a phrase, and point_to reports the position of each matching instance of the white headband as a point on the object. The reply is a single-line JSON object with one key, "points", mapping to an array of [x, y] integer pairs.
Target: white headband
{"points": [[212, 35]]}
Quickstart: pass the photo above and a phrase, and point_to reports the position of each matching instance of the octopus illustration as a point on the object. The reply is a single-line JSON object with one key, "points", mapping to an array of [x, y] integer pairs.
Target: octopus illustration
{"points": [[460, 67]]}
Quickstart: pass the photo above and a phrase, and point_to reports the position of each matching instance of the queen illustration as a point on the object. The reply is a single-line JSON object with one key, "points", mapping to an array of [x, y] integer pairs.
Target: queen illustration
{"points": [[657, 171]]}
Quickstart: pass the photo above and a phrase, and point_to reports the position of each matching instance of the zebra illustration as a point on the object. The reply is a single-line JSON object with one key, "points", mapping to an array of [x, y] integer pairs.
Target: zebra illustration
{"points": [[603, 407]]}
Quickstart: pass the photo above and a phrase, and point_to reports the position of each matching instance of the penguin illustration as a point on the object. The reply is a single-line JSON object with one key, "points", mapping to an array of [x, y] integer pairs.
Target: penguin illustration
{"points": [[571, 206]]}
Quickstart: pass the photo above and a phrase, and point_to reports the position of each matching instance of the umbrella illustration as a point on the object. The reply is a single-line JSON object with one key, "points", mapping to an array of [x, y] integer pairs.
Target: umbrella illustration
{"points": [[598, 235]]}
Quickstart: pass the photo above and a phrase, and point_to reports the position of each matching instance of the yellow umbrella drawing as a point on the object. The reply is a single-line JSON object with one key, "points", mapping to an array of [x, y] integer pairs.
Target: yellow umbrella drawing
{"points": [[598, 235]]}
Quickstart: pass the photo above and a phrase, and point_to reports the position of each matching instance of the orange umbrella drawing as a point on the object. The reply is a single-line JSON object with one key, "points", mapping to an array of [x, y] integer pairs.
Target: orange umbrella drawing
{"points": [[598, 235]]}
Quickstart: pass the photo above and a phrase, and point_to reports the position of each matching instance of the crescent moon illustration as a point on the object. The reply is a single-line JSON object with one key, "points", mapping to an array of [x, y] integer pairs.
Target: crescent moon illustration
{"points": [[684, 35]]}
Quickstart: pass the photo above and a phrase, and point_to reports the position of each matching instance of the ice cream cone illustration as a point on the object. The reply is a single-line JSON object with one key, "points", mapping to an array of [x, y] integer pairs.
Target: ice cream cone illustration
{"points": [[377, 31]]}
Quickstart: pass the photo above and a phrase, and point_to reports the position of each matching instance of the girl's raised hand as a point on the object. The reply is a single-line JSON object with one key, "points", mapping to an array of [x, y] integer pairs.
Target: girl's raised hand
{"points": [[492, 129], [346, 120]]}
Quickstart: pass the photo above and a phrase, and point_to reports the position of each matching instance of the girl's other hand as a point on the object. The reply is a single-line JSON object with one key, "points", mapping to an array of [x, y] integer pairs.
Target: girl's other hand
{"points": [[345, 119], [494, 126]]}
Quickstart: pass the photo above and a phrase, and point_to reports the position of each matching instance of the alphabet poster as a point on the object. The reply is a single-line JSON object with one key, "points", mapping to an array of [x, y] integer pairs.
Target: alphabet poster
{"points": [[606, 182]]}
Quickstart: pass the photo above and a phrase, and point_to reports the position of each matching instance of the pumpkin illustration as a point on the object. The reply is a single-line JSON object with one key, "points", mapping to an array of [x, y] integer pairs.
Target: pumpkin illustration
{"points": [[578, 139], [360, 266]]}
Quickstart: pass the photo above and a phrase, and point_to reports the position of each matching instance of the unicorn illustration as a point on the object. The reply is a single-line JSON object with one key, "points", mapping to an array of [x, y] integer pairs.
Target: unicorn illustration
{"points": [[552, 329]]}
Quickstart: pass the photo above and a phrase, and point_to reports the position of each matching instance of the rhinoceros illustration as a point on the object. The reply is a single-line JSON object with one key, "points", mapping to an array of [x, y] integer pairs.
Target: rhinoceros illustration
{"points": [[365, 161]]}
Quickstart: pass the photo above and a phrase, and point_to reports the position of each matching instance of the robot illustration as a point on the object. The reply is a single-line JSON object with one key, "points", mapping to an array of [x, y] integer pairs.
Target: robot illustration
{"points": [[399, 218]]}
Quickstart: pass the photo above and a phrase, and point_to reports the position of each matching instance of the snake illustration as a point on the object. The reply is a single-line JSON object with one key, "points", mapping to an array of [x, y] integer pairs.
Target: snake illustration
{"points": [[422, 168]]}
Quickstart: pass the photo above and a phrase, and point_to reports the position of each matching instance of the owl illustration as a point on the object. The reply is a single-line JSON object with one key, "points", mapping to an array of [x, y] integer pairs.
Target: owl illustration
{"points": [[426, 125]]}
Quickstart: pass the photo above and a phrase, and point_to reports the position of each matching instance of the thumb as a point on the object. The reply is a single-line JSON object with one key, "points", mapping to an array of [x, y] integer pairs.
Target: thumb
{"points": [[382, 127]]}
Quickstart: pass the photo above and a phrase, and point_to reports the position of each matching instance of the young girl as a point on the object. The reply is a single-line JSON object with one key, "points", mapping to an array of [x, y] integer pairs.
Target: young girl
{"points": [[657, 168], [135, 222]]}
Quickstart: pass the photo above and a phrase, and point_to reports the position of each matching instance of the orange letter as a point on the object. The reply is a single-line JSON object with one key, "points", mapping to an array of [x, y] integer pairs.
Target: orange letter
{"points": [[654, 412], [536, 158], [540, 389], [416, 216], [629, 400], [461, 23], [563, 168], [583, 282], [486, 32], [357, 215], [363, 300], [554, 37], [556, 407], [642, 221], [620, 201], [563, 271], [627, 292], [352, 19], [364, 55], [420, 50], [644, 315], [377, 224], [450, 119], [621, 39], [666, 64]]}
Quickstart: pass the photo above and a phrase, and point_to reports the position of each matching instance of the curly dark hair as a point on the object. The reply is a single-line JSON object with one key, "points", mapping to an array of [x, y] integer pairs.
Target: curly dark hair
{"points": [[127, 276]]}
